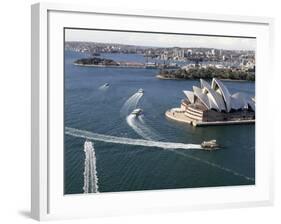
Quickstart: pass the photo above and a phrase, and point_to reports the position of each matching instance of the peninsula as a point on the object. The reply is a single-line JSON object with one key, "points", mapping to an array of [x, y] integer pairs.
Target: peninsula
{"points": [[95, 61], [207, 73], [104, 62], [213, 104]]}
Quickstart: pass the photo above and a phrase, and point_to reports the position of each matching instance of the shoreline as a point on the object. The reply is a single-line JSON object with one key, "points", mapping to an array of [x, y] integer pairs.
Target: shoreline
{"points": [[109, 66], [225, 80], [168, 78], [180, 117], [236, 80]]}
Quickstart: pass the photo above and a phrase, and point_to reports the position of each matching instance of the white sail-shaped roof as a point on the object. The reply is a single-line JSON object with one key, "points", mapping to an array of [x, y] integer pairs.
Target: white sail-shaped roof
{"points": [[215, 98], [250, 102], [242, 101], [238, 101], [189, 95], [202, 97], [218, 86], [252, 105], [206, 88], [212, 102], [204, 84]]}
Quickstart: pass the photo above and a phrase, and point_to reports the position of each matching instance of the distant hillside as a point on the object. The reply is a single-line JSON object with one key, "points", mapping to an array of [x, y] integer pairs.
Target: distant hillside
{"points": [[96, 61], [207, 73]]}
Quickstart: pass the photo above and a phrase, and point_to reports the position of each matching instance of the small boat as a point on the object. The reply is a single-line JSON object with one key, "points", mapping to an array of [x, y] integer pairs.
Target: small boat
{"points": [[140, 90], [210, 145], [137, 112], [106, 85], [150, 65]]}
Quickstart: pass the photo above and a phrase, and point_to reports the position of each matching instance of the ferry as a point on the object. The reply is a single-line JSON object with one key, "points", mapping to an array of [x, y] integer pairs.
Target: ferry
{"points": [[137, 112], [210, 145], [140, 90], [152, 65]]}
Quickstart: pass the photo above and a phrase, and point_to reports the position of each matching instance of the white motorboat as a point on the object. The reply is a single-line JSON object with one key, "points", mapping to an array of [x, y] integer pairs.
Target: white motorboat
{"points": [[210, 145], [106, 85], [137, 112]]}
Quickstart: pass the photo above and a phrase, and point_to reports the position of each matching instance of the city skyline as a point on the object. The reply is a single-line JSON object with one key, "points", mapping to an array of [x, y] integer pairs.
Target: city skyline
{"points": [[160, 40]]}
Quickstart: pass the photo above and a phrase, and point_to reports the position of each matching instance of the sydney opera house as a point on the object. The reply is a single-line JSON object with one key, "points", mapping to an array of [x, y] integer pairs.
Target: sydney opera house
{"points": [[212, 104]]}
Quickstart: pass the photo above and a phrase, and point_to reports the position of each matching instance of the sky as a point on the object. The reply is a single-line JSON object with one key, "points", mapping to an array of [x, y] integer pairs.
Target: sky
{"points": [[160, 40]]}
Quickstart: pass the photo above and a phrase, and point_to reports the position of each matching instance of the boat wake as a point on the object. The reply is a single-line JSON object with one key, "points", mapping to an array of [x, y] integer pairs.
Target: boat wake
{"points": [[131, 104], [128, 141], [90, 172], [138, 124], [104, 86], [141, 119], [173, 147], [215, 165]]}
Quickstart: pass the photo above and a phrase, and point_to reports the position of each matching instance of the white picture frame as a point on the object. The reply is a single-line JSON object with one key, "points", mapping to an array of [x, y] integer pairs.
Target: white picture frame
{"points": [[47, 198]]}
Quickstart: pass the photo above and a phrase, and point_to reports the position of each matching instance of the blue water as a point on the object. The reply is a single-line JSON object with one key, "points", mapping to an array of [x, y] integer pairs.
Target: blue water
{"points": [[90, 107]]}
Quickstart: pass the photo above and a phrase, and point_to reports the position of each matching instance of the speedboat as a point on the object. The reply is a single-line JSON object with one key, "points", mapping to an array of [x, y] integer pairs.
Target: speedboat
{"points": [[137, 112], [210, 145], [150, 65], [140, 90]]}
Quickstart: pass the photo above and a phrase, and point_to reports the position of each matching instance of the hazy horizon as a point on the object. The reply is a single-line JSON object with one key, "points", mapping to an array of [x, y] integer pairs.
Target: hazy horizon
{"points": [[160, 40]]}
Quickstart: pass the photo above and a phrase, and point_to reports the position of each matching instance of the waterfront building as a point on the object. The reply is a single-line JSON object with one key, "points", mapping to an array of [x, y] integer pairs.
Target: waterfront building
{"points": [[213, 104], [189, 52], [247, 64], [164, 56], [178, 53]]}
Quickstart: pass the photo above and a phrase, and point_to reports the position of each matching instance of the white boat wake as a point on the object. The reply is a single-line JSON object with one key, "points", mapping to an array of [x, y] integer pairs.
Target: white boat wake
{"points": [[90, 172], [149, 143], [131, 104], [104, 86], [141, 119], [215, 165], [128, 141], [137, 123]]}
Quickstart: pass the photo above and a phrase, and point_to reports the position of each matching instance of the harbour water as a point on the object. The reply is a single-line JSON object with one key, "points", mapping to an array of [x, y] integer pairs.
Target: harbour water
{"points": [[95, 108]]}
